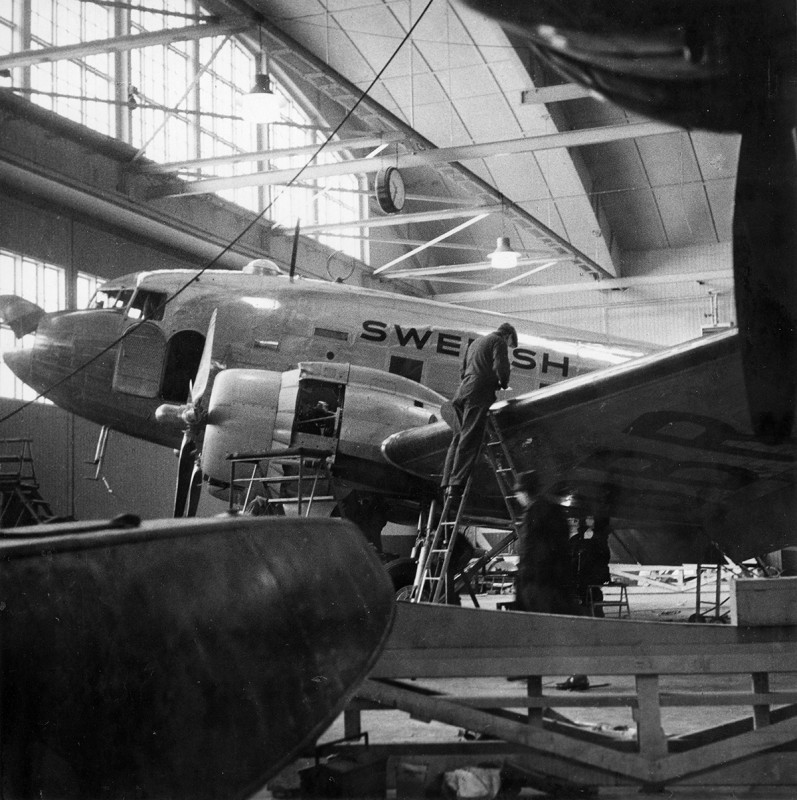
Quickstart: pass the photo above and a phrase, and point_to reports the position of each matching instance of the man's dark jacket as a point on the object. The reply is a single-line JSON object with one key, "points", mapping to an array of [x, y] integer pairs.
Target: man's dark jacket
{"points": [[485, 369]]}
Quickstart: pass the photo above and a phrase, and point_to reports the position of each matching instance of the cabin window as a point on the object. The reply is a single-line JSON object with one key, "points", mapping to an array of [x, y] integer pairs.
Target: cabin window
{"points": [[329, 333], [147, 305], [411, 368], [182, 361]]}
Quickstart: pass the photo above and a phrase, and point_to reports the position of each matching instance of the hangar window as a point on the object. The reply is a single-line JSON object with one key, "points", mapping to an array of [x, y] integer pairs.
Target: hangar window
{"points": [[39, 282], [81, 89], [179, 102], [85, 289]]}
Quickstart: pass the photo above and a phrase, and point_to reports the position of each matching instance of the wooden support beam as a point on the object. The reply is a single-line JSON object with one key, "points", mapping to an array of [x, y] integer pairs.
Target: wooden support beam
{"points": [[761, 715], [592, 700], [443, 642], [719, 754], [650, 734], [534, 693], [446, 642], [554, 744]]}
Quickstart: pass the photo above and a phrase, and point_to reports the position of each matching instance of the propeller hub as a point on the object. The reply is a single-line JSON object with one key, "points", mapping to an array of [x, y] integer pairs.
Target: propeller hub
{"points": [[171, 415]]}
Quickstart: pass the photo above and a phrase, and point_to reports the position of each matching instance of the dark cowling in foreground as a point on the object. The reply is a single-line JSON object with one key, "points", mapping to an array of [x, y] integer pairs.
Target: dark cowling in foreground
{"points": [[180, 659]]}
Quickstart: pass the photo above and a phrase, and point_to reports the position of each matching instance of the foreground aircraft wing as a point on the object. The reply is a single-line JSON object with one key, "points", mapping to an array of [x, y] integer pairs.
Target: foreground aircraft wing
{"points": [[182, 660], [663, 442]]}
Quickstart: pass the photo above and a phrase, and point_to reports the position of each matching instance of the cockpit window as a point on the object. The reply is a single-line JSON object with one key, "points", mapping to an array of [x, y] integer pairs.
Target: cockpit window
{"points": [[141, 304], [147, 305], [111, 298]]}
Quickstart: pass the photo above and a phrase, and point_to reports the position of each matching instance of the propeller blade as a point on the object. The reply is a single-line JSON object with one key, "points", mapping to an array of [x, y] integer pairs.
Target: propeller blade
{"points": [[185, 466], [194, 489], [200, 383]]}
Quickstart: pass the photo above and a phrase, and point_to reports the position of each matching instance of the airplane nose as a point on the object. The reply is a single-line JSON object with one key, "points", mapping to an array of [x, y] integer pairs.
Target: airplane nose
{"points": [[19, 362]]}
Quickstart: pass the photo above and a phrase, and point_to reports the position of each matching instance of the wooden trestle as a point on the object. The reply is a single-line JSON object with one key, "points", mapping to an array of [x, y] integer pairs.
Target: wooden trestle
{"points": [[448, 642]]}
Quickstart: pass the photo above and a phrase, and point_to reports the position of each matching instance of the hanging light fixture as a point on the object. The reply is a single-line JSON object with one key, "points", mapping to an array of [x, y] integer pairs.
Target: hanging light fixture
{"points": [[261, 105], [503, 257]]}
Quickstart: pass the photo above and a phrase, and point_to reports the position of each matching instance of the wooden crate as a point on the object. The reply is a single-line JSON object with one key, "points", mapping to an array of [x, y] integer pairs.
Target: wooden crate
{"points": [[763, 601]]}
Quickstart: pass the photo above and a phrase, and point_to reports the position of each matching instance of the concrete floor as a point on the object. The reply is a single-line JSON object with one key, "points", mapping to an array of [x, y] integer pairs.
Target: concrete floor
{"points": [[646, 603]]}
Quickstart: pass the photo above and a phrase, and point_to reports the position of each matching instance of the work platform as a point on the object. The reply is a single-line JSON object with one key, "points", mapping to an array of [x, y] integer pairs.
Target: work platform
{"points": [[526, 724]]}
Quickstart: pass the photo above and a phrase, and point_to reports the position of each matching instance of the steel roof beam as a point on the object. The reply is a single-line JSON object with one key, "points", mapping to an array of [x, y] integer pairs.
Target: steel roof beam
{"points": [[555, 94], [394, 219], [442, 155], [386, 137], [413, 242], [607, 284], [462, 225], [295, 62], [120, 43], [432, 273]]}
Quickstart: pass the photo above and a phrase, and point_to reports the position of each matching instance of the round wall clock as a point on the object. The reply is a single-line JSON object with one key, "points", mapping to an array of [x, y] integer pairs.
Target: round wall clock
{"points": [[389, 189]]}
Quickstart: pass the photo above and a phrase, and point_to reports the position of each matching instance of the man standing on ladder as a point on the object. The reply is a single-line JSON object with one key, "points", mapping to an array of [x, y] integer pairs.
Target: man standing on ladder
{"points": [[485, 370]]}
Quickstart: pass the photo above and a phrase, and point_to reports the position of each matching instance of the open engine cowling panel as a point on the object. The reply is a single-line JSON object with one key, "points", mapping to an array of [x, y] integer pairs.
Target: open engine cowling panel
{"points": [[341, 409]]}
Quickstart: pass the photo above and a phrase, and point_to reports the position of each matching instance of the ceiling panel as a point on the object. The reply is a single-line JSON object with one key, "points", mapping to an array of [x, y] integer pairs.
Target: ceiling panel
{"points": [[668, 160], [721, 196], [460, 81], [686, 215], [635, 219]]}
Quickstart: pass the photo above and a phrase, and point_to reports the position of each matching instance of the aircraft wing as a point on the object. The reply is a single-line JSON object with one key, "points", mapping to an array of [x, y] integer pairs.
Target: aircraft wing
{"points": [[662, 442]]}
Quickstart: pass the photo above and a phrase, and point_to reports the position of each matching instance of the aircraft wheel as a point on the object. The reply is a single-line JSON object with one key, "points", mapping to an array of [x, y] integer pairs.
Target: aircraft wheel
{"points": [[402, 573]]}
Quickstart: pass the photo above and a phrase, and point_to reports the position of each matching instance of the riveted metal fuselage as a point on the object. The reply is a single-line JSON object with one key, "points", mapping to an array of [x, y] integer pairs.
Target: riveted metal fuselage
{"points": [[116, 366]]}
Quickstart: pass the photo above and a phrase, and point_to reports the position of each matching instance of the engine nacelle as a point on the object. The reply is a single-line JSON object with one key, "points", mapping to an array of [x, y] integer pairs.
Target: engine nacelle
{"points": [[342, 409]]}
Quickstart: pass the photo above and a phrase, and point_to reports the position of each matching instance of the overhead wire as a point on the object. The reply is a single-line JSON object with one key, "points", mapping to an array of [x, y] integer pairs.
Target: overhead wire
{"points": [[224, 250]]}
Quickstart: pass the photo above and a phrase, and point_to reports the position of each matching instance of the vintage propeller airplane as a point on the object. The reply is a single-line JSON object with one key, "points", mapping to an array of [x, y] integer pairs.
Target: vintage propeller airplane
{"points": [[699, 438], [661, 436], [372, 360]]}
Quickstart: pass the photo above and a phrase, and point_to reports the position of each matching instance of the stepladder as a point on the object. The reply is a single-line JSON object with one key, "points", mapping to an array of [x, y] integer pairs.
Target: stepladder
{"points": [[437, 559], [439, 576]]}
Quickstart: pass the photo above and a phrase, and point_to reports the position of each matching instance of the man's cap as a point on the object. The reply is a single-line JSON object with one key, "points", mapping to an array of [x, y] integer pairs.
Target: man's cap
{"points": [[505, 329]]}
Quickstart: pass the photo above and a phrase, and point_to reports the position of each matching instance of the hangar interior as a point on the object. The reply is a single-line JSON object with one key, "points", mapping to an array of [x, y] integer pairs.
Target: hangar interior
{"points": [[123, 148], [413, 149]]}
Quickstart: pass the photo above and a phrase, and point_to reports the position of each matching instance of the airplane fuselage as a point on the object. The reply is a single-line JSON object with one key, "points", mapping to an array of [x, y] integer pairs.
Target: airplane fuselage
{"points": [[117, 362]]}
